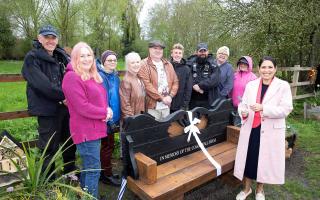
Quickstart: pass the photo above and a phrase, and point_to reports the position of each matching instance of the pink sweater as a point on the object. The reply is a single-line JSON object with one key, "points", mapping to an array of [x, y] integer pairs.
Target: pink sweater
{"points": [[240, 81], [87, 106]]}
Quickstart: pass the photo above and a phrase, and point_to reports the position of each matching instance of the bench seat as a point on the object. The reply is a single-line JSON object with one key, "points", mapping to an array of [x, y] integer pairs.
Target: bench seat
{"points": [[172, 179]]}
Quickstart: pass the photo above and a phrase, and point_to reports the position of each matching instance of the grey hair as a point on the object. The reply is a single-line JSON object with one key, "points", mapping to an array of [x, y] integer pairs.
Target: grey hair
{"points": [[130, 56]]}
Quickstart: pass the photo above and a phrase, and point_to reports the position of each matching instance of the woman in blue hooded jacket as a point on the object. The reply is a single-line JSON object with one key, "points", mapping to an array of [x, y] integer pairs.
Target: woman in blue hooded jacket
{"points": [[111, 82]]}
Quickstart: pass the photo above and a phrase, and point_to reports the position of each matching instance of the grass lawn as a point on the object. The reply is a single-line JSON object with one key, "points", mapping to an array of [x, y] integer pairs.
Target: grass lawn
{"points": [[10, 67]]}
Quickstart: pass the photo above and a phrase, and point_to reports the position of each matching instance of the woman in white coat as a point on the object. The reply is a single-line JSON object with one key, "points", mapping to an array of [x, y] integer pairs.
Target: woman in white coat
{"points": [[266, 102]]}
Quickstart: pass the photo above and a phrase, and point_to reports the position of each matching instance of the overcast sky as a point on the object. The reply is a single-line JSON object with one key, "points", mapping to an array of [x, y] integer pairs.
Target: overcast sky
{"points": [[148, 5]]}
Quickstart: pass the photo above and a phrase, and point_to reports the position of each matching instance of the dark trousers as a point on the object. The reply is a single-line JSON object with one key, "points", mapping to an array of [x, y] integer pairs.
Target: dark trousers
{"points": [[56, 127], [107, 147]]}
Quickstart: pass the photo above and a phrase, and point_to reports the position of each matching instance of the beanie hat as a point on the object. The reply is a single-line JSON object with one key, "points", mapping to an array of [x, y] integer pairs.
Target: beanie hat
{"points": [[105, 54], [224, 50]]}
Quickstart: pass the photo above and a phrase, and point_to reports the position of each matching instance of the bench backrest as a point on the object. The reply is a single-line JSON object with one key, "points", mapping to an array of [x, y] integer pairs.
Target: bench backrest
{"points": [[142, 133]]}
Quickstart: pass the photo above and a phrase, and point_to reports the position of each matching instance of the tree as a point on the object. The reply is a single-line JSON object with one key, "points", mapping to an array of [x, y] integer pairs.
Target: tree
{"points": [[27, 16], [63, 14], [288, 30], [130, 26], [6, 37]]}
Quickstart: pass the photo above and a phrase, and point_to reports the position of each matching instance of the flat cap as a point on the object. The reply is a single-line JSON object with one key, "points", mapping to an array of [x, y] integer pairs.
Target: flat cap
{"points": [[156, 43]]}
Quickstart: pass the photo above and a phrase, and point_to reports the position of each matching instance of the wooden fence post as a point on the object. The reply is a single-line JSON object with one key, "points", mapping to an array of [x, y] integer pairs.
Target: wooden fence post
{"points": [[295, 80]]}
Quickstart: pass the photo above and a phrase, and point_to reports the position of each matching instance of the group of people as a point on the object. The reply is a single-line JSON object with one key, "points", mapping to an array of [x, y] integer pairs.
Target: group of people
{"points": [[83, 97]]}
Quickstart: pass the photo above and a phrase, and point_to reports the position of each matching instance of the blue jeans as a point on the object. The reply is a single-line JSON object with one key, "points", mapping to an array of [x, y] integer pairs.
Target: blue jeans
{"points": [[90, 155]]}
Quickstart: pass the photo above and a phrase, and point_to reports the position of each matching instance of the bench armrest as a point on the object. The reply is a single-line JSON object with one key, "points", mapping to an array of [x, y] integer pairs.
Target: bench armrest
{"points": [[147, 168], [233, 134]]}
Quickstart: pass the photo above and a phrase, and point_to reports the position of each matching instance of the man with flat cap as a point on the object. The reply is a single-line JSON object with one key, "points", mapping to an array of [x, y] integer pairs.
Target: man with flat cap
{"points": [[43, 69], [160, 80], [205, 76]]}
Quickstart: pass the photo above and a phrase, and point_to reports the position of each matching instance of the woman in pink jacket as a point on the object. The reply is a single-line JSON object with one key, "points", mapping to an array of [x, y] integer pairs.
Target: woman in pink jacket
{"points": [[242, 76], [87, 104], [265, 104]]}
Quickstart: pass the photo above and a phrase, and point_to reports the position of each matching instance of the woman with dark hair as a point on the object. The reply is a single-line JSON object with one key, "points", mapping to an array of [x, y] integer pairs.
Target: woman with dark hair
{"points": [[111, 81], [261, 148]]}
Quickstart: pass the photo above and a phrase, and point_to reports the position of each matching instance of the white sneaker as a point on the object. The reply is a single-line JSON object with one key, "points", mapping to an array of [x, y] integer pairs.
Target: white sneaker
{"points": [[242, 195], [260, 196], [71, 177]]}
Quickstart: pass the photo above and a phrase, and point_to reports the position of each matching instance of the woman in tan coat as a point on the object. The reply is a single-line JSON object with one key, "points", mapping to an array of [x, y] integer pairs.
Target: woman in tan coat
{"points": [[266, 102], [132, 92]]}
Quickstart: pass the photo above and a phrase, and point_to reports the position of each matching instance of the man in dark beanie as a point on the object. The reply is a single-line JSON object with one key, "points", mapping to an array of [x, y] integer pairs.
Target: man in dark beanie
{"points": [[111, 82], [43, 69]]}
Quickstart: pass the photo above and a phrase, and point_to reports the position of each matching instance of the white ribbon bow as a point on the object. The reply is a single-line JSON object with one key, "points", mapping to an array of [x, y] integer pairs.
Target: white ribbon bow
{"points": [[193, 130]]}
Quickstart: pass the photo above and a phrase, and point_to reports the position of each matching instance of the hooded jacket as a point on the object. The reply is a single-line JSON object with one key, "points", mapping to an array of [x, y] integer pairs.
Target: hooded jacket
{"points": [[111, 83], [44, 74], [241, 78], [183, 96]]}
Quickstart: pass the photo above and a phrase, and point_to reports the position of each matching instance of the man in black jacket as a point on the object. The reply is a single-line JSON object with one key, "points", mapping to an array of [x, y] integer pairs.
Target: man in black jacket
{"points": [[206, 77], [43, 69], [182, 98]]}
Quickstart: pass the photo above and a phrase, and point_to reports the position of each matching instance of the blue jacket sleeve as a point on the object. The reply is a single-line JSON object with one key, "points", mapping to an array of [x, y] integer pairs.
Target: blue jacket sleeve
{"points": [[228, 84]]}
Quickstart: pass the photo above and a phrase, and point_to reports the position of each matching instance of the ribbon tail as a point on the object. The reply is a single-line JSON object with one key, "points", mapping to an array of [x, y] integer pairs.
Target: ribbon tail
{"points": [[206, 153]]}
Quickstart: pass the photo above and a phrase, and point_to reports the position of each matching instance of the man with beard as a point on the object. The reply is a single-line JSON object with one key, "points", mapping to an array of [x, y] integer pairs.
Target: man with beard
{"points": [[206, 77]]}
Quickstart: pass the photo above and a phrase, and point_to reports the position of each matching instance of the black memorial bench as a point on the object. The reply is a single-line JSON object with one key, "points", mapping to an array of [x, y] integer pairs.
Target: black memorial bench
{"points": [[159, 161]]}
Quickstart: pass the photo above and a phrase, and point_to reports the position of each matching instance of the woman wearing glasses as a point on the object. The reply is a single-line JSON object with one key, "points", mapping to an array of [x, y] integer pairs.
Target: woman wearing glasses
{"points": [[111, 82], [226, 72]]}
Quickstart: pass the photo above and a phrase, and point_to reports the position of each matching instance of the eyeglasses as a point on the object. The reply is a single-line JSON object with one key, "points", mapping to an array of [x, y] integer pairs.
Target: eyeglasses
{"points": [[115, 60]]}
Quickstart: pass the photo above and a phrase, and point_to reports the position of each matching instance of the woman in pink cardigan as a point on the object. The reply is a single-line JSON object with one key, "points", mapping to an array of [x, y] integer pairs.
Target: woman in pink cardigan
{"points": [[87, 104], [265, 104]]}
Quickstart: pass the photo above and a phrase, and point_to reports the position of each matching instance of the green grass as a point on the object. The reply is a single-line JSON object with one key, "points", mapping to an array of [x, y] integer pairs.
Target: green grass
{"points": [[13, 96], [10, 67]]}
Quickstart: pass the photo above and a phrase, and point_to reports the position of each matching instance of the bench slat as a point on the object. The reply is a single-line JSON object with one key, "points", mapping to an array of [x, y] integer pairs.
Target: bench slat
{"points": [[174, 185], [189, 160]]}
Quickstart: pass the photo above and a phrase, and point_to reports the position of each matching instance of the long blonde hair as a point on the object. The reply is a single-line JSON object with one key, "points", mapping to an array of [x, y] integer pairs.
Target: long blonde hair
{"points": [[75, 62]]}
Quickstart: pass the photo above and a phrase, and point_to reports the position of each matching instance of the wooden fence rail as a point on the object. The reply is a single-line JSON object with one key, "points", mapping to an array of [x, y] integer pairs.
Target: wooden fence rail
{"points": [[295, 81]]}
